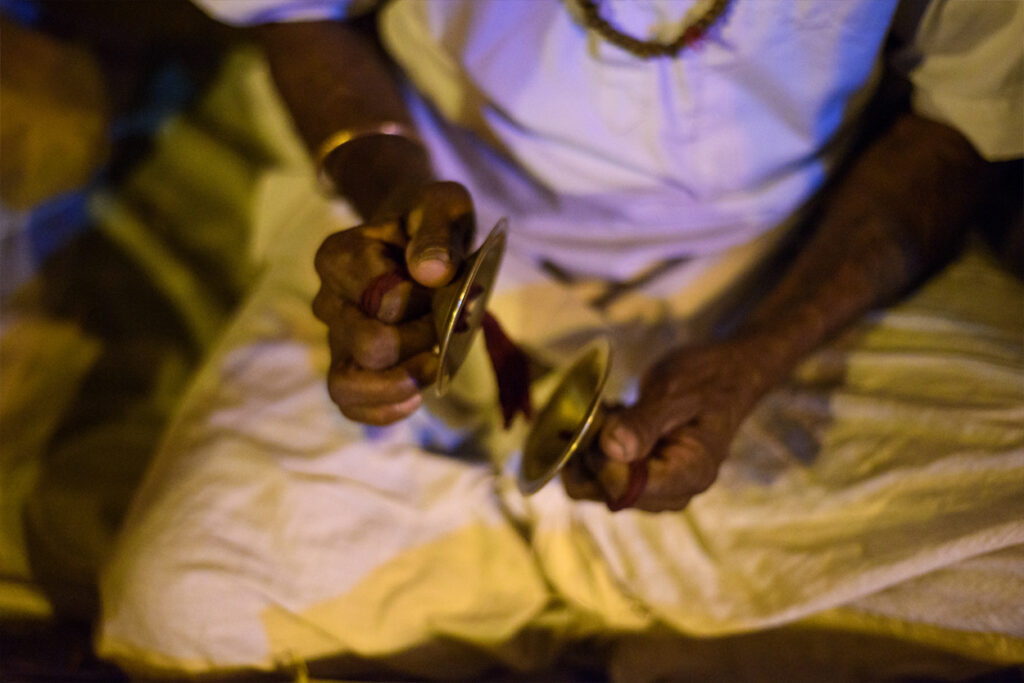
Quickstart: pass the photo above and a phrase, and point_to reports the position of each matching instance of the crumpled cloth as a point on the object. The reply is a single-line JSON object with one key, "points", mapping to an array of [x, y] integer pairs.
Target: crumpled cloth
{"points": [[270, 530]]}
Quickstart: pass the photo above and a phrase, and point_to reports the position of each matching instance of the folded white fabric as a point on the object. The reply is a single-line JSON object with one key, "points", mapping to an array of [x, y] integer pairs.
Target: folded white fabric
{"points": [[895, 453], [270, 529]]}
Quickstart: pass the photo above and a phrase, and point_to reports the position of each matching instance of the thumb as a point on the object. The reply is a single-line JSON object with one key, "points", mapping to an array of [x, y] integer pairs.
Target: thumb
{"points": [[440, 230], [632, 433]]}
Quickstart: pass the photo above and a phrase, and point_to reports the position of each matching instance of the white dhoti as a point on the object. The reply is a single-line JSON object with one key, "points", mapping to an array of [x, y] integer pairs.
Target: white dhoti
{"points": [[270, 529]]}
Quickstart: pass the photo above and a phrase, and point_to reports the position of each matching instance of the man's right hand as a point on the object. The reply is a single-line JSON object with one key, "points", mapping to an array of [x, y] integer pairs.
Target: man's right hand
{"points": [[375, 298]]}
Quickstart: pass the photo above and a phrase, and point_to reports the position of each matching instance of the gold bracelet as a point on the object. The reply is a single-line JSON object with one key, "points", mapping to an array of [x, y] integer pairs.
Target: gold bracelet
{"points": [[338, 140]]}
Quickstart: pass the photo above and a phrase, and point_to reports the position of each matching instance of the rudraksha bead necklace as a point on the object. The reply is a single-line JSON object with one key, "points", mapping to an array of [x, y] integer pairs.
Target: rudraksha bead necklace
{"points": [[650, 49]]}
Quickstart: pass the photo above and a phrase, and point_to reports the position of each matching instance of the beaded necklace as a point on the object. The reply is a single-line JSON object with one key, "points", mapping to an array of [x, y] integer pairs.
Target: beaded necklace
{"points": [[651, 49]]}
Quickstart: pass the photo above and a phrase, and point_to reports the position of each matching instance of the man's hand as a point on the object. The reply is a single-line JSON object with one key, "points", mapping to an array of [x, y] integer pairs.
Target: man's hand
{"points": [[376, 278], [375, 297], [691, 404], [899, 214]]}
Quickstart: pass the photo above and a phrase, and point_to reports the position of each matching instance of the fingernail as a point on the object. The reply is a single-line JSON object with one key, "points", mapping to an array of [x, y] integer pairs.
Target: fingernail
{"points": [[432, 265], [392, 304], [409, 405], [620, 443]]}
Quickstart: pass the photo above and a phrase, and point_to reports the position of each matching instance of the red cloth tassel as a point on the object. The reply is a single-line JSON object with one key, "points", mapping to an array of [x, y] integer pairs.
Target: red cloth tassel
{"points": [[374, 293], [511, 369]]}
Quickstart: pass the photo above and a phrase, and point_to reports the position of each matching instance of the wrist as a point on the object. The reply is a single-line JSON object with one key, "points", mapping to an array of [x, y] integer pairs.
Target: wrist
{"points": [[776, 346], [379, 174], [856, 260]]}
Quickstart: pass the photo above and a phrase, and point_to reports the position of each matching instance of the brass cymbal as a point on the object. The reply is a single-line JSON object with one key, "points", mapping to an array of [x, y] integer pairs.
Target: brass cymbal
{"points": [[459, 307], [569, 421]]}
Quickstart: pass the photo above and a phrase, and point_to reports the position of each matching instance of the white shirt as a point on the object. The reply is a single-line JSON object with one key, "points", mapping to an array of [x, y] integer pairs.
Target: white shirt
{"points": [[608, 163]]}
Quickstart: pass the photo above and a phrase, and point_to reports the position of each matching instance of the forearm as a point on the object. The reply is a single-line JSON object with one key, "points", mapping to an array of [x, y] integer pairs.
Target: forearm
{"points": [[898, 215], [333, 77]]}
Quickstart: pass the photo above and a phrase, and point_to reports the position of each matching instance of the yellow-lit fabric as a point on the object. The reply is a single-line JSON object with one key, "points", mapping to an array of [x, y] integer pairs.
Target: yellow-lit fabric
{"points": [[271, 530], [53, 133]]}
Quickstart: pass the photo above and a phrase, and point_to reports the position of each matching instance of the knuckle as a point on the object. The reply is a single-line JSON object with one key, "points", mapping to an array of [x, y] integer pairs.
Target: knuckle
{"points": [[574, 490], [349, 412], [422, 368], [449, 207], [704, 475], [337, 391], [372, 417], [576, 485], [341, 385], [324, 306], [329, 250], [374, 351], [319, 311], [338, 387], [454, 193], [693, 467]]}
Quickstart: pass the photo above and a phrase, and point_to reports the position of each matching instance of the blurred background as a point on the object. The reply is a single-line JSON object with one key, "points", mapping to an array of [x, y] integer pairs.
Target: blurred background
{"points": [[105, 110]]}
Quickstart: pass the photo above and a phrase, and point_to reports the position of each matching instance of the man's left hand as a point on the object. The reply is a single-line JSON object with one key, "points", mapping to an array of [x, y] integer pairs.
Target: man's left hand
{"points": [[691, 404]]}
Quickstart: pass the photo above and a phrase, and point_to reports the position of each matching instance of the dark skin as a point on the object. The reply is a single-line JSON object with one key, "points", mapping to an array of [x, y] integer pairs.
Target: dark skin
{"points": [[379, 364], [897, 216]]}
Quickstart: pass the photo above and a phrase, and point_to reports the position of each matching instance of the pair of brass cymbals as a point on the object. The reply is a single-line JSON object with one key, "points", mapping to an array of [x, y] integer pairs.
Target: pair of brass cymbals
{"points": [[572, 416]]}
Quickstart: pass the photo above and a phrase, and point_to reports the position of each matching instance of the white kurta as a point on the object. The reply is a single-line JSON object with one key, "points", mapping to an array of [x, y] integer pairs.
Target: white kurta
{"points": [[608, 163]]}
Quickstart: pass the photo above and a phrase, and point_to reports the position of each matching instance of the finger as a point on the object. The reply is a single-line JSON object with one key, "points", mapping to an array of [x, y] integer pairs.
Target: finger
{"points": [[391, 232], [631, 433], [351, 261], [635, 487], [440, 233], [375, 345], [614, 479], [350, 385], [383, 415], [579, 482], [682, 466], [327, 306]]}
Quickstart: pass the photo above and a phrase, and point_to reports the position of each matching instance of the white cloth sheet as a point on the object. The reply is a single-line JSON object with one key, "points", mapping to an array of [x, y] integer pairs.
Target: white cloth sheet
{"points": [[269, 529]]}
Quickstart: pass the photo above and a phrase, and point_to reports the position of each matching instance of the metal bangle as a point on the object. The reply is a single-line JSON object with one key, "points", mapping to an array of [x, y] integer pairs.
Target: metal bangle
{"points": [[337, 140]]}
